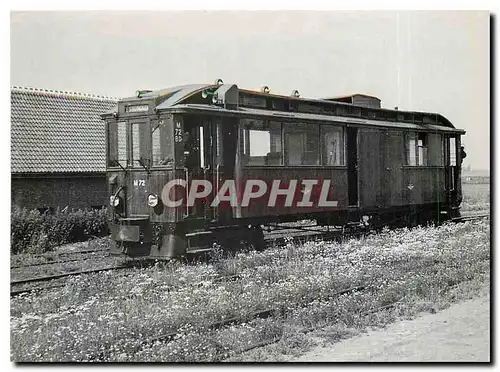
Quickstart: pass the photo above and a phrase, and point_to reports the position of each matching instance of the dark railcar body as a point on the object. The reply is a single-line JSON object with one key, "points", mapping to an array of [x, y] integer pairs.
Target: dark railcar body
{"points": [[378, 165]]}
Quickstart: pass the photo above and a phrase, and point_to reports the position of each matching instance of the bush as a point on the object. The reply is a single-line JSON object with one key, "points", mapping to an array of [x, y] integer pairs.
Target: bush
{"points": [[32, 232]]}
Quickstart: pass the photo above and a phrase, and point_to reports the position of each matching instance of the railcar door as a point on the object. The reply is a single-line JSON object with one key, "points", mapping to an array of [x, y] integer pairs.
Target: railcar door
{"points": [[198, 163], [452, 173], [370, 168], [352, 166], [226, 162]]}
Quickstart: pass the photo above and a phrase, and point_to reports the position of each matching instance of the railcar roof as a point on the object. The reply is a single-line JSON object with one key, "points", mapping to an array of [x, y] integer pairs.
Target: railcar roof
{"points": [[344, 96], [179, 91], [281, 115], [178, 97]]}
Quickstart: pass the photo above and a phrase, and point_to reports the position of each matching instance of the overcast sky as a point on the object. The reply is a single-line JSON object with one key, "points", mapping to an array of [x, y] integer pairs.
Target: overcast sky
{"points": [[424, 61]]}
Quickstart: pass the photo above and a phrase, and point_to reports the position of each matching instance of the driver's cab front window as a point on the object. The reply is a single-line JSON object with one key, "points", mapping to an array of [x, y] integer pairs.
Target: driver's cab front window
{"points": [[140, 145], [162, 145], [117, 144]]}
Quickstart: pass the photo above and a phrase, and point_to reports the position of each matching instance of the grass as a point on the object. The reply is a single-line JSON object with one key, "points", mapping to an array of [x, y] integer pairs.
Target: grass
{"points": [[101, 245], [106, 317], [475, 197], [297, 341], [21, 269]]}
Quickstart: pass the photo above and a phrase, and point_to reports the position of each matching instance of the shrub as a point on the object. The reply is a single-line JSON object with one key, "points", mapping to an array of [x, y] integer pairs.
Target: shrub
{"points": [[32, 232]]}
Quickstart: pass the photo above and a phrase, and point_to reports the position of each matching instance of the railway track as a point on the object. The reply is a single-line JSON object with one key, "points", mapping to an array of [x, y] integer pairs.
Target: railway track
{"points": [[59, 255], [70, 253], [318, 232], [63, 275], [265, 313], [47, 278], [276, 237], [63, 261], [262, 314], [470, 217], [17, 292], [307, 330]]}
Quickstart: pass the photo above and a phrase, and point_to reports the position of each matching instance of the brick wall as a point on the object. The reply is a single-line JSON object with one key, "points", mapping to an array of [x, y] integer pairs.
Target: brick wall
{"points": [[74, 191]]}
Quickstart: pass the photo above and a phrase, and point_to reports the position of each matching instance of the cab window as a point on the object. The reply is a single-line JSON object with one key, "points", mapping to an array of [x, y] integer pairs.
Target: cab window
{"points": [[140, 145], [161, 144], [117, 145]]}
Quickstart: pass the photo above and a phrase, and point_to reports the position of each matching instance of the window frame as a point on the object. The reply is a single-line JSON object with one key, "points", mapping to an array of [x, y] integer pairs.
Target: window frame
{"points": [[343, 147], [321, 125], [108, 142], [245, 132], [166, 137], [423, 148], [318, 141], [455, 158], [144, 147], [436, 156], [417, 136]]}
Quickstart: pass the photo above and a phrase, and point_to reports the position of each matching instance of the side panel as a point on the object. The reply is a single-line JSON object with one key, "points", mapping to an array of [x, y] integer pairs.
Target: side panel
{"points": [[424, 185], [370, 162], [138, 182], [157, 182], [393, 175], [337, 191]]}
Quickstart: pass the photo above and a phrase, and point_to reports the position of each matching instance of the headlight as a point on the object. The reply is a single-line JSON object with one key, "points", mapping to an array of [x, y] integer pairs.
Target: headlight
{"points": [[114, 201], [152, 200]]}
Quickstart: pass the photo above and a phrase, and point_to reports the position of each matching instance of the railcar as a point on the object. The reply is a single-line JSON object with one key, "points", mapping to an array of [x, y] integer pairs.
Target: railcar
{"points": [[197, 164]]}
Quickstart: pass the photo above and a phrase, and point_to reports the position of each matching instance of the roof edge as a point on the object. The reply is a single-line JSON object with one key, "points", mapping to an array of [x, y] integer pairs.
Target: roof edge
{"points": [[59, 93]]}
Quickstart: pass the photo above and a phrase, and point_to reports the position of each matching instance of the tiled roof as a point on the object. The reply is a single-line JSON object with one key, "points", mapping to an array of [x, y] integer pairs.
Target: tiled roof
{"points": [[54, 131]]}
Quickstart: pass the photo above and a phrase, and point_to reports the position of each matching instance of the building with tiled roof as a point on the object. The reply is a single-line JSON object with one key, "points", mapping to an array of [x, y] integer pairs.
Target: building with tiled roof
{"points": [[58, 147]]}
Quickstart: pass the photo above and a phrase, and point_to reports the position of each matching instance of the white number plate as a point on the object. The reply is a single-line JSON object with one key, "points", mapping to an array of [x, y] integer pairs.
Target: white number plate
{"points": [[139, 183]]}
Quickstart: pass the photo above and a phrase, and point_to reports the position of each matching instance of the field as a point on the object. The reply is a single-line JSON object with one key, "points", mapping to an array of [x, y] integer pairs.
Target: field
{"points": [[476, 196], [254, 306]]}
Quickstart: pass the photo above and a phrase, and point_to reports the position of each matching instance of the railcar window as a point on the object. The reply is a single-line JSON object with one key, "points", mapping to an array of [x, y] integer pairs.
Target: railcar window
{"points": [[412, 153], [117, 144], [435, 154], [333, 145], [140, 151], [416, 149], [301, 144], [162, 144], [262, 142], [453, 151], [422, 148], [122, 144]]}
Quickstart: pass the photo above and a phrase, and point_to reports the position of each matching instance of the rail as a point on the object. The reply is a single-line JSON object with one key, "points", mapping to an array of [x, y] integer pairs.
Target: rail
{"points": [[64, 275]]}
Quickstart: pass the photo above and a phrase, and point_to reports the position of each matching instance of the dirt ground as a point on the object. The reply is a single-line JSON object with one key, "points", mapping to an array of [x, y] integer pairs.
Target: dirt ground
{"points": [[459, 333]]}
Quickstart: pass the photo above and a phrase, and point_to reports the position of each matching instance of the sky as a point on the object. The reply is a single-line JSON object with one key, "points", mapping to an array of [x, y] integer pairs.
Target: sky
{"points": [[433, 61]]}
